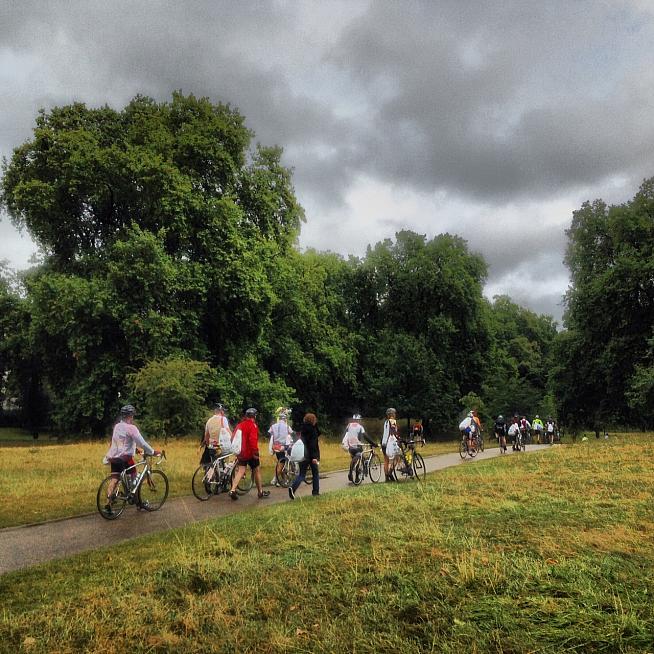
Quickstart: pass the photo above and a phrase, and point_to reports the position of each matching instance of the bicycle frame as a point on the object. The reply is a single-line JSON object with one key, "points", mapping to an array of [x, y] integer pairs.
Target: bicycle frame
{"points": [[147, 466]]}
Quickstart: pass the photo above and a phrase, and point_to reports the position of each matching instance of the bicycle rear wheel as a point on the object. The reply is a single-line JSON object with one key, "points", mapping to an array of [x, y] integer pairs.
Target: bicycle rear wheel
{"points": [[357, 472], [480, 443], [199, 485], [111, 507], [374, 468], [463, 449], [153, 491], [282, 473], [308, 478], [419, 468]]}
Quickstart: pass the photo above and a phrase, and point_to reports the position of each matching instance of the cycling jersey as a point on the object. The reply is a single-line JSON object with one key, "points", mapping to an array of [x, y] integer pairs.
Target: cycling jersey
{"points": [[124, 440], [280, 436], [538, 424], [500, 428]]}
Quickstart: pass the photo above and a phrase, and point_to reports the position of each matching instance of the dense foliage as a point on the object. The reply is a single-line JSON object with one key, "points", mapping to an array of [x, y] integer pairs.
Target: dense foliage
{"points": [[170, 273], [605, 360]]}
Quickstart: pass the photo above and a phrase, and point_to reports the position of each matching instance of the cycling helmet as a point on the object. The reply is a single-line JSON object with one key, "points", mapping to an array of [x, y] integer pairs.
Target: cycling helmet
{"points": [[537, 416], [127, 410], [390, 412], [251, 412], [218, 407], [500, 418], [356, 416], [281, 416]]}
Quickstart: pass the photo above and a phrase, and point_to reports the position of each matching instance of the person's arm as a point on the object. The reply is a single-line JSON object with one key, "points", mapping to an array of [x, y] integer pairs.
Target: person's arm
{"points": [[141, 442]]}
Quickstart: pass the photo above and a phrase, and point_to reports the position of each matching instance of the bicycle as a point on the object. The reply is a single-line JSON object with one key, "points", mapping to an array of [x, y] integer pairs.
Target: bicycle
{"points": [[465, 449], [366, 464], [286, 471], [519, 443], [148, 490], [409, 464], [479, 441], [217, 477]]}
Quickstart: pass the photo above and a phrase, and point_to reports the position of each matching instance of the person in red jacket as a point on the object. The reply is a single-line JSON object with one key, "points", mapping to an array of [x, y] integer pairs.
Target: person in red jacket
{"points": [[249, 454]]}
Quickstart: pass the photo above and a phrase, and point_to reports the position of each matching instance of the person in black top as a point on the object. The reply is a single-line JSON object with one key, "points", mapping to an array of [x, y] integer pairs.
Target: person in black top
{"points": [[500, 432], [309, 434]]}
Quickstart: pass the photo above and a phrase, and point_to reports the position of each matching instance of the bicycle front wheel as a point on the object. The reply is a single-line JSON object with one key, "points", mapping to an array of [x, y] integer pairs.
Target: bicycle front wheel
{"points": [[374, 469], [111, 507], [153, 491], [246, 482], [200, 485], [357, 472], [419, 468], [481, 443]]}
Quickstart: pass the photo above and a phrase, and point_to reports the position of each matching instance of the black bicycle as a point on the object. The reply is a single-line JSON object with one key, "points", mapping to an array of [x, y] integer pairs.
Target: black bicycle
{"points": [[409, 464]]}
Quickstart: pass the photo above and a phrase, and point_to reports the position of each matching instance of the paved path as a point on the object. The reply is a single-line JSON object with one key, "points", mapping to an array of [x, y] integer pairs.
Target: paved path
{"points": [[21, 547]]}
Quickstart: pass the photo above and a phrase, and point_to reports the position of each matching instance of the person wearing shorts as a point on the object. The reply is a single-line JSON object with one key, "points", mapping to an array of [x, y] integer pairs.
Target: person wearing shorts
{"points": [[281, 440], [249, 454], [390, 427]]}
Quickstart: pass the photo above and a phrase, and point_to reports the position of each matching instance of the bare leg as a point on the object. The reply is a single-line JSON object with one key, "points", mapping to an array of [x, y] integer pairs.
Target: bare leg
{"points": [[240, 473]]}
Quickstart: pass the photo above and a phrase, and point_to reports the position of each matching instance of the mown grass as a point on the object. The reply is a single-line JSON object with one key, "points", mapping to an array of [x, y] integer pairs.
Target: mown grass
{"points": [[546, 552], [58, 480]]}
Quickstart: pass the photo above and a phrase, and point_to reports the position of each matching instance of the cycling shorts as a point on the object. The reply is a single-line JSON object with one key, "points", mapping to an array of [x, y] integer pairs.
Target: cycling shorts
{"points": [[118, 465], [253, 463], [355, 450], [281, 455]]}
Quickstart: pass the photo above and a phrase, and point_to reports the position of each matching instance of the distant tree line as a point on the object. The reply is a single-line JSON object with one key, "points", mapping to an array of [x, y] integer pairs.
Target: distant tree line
{"points": [[170, 275]]}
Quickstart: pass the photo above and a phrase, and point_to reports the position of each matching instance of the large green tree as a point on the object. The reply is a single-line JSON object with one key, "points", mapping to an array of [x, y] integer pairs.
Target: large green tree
{"points": [[605, 358], [156, 222]]}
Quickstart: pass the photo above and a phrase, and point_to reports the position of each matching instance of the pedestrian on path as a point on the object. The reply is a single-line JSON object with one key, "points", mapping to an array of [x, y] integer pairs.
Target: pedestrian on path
{"points": [[309, 434]]}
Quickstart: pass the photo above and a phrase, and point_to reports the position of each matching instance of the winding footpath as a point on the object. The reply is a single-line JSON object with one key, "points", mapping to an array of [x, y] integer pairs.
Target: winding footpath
{"points": [[21, 547]]}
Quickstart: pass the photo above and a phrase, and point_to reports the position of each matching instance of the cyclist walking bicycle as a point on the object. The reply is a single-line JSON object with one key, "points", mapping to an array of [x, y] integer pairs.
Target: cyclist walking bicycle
{"points": [[124, 441], [281, 440], [249, 454], [351, 441], [500, 430]]}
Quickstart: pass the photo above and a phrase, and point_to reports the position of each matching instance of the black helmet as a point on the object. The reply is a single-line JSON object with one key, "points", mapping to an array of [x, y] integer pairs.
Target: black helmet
{"points": [[127, 410], [251, 412], [218, 407]]}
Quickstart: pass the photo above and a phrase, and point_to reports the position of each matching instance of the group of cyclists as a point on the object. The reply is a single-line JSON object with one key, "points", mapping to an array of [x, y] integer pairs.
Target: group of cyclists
{"points": [[519, 431], [218, 437]]}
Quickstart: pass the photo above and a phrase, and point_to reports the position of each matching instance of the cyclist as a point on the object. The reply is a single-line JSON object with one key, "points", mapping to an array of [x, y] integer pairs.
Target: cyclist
{"points": [[353, 432], [390, 427], [550, 427], [216, 426], [514, 430], [468, 428], [525, 429], [249, 454], [417, 431], [538, 426], [124, 440], [281, 440], [500, 432]]}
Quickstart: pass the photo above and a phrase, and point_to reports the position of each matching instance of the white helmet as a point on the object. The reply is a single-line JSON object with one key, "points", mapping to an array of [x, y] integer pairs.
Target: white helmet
{"points": [[356, 416]]}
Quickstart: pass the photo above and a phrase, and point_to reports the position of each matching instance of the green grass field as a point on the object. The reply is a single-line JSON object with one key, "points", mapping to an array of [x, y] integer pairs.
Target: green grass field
{"points": [[57, 480], [544, 552]]}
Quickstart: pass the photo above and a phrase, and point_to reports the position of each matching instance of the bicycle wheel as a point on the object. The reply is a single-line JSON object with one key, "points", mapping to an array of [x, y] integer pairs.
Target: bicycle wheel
{"points": [[308, 479], [246, 483], [357, 472], [419, 468], [111, 508], [463, 450], [199, 485], [399, 469], [480, 443], [153, 491], [282, 472], [374, 468]]}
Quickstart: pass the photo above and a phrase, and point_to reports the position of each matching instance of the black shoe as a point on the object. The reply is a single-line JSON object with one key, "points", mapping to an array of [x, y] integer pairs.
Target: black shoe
{"points": [[263, 494], [233, 495], [349, 476], [314, 493], [291, 492]]}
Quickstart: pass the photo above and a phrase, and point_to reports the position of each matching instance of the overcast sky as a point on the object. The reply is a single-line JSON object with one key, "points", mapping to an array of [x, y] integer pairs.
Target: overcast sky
{"points": [[492, 120]]}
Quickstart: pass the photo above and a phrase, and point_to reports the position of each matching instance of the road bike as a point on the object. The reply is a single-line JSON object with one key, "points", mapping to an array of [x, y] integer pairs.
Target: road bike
{"points": [[366, 464], [519, 442], [217, 477], [467, 449], [286, 472], [409, 464], [148, 489]]}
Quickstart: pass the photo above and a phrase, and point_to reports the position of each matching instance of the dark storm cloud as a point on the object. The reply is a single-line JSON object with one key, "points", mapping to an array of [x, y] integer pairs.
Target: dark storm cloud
{"points": [[489, 103]]}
